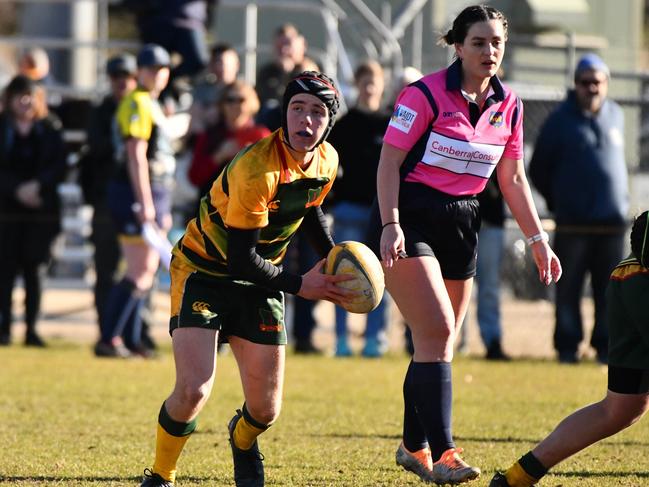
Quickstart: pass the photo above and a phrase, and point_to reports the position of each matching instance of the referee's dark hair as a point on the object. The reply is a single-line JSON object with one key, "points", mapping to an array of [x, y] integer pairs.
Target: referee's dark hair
{"points": [[640, 239], [469, 16]]}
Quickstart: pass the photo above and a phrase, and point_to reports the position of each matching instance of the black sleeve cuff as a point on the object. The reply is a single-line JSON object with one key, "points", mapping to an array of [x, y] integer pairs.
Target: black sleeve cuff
{"points": [[245, 263]]}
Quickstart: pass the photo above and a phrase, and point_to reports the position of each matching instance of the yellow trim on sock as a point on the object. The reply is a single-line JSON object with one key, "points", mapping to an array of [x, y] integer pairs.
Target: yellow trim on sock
{"points": [[167, 451], [245, 434], [517, 477]]}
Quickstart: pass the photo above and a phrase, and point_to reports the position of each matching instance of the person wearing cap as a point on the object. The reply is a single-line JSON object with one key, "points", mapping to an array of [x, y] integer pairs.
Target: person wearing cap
{"points": [[579, 167], [627, 394], [96, 167], [227, 282], [138, 192]]}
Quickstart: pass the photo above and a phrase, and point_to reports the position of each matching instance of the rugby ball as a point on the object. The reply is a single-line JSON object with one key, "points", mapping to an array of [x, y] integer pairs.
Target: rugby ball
{"points": [[358, 260]]}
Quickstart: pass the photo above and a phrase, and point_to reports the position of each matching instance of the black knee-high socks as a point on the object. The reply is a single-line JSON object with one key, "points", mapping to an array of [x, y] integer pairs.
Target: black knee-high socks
{"points": [[428, 397], [122, 312]]}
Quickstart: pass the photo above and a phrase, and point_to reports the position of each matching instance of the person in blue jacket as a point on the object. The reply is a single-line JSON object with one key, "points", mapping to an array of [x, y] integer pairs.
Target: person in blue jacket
{"points": [[579, 168]]}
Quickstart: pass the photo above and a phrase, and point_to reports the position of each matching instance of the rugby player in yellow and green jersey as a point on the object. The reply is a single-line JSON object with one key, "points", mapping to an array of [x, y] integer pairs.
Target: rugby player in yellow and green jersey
{"points": [[627, 394], [226, 278], [263, 188]]}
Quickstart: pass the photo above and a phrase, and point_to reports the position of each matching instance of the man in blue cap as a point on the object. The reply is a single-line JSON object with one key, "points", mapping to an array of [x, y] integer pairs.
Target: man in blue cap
{"points": [[579, 168]]}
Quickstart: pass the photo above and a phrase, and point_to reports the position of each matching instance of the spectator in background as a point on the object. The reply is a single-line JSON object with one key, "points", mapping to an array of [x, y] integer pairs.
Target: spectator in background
{"points": [[235, 129], [410, 74], [290, 50], [490, 253], [358, 137], [32, 164], [222, 70], [138, 193], [35, 64], [96, 168], [578, 166], [178, 26], [270, 115]]}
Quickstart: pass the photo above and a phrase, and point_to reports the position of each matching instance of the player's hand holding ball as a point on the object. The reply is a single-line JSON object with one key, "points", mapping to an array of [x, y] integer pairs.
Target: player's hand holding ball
{"points": [[357, 260]]}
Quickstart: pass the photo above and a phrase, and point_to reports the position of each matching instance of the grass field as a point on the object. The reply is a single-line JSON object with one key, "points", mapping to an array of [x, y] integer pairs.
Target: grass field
{"points": [[72, 420]]}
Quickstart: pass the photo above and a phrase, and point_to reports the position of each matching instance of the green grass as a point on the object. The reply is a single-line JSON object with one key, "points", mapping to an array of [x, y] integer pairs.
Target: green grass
{"points": [[69, 419]]}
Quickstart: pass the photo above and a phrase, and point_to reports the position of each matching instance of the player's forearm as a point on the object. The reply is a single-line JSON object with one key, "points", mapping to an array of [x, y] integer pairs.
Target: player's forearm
{"points": [[518, 195], [245, 263], [519, 199]]}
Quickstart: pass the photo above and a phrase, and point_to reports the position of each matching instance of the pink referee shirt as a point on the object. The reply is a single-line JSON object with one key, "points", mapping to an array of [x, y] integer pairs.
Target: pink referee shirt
{"points": [[445, 151]]}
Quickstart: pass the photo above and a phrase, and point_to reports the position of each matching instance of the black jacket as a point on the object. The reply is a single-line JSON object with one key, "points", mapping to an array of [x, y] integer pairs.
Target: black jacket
{"points": [[48, 165]]}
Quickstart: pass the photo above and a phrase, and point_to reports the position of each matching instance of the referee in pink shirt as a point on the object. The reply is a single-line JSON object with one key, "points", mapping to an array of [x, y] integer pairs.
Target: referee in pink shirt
{"points": [[448, 133]]}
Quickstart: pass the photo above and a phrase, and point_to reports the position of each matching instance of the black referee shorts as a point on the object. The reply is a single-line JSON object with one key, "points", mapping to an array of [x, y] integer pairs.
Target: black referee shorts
{"points": [[435, 224]]}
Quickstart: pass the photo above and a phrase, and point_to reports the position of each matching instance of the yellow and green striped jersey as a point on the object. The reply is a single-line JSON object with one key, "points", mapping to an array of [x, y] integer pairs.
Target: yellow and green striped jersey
{"points": [[263, 187]]}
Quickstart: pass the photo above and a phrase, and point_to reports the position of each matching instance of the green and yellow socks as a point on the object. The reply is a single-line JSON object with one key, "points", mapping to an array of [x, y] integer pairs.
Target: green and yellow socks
{"points": [[526, 472], [170, 440], [172, 436], [247, 430]]}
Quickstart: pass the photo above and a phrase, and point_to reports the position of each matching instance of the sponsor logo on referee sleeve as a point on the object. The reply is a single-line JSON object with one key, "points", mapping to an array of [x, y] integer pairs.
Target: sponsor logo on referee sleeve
{"points": [[403, 118]]}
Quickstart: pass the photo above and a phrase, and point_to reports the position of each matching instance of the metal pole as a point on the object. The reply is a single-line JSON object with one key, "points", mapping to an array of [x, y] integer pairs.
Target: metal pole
{"points": [[408, 14], [417, 45], [386, 18], [83, 27], [102, 38], [250, 34], [571, 57], [390, 41]]}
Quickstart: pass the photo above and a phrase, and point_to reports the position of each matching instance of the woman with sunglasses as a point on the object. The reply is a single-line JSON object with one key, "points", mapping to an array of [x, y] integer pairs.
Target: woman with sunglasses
{"points": [[449, 132], [234, 129]]}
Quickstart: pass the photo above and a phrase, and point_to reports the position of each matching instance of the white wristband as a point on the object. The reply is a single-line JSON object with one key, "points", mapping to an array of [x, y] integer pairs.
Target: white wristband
{"points": [[539, 237]]}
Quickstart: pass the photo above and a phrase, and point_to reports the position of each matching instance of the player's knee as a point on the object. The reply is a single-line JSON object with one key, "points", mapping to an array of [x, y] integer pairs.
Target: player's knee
{"points": [[637, 410], [623, 414], [265, 414], [143, 280], [194, 394], [441, 332]]}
